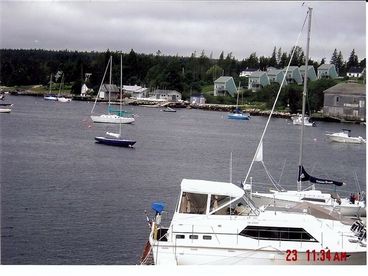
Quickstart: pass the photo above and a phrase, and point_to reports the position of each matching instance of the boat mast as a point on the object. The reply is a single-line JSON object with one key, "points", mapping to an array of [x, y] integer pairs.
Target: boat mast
{"points": [[121, 90], [110, 80], [299, 183]]}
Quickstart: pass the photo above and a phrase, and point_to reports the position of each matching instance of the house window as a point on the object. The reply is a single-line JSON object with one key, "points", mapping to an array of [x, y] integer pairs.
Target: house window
{"points": [[361, 104], [337, 99]]}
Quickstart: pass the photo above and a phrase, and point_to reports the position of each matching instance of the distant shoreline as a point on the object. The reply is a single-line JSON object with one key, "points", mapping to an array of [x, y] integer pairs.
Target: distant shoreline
{"points": [[185, 104]]}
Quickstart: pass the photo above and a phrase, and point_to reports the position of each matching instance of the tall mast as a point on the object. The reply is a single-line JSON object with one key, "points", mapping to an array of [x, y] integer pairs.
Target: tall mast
{"points": [[299, 184], [121, 89], [110, 84]]}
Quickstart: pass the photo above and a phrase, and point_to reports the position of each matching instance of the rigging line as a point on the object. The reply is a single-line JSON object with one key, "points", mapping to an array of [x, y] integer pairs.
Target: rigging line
{"points": [[274, 104], [357, 182], [99, 89]]}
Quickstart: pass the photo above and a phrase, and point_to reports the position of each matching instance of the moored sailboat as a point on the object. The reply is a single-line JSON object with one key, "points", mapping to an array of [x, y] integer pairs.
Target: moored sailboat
{"points": [[111, 138], [110, 117]]}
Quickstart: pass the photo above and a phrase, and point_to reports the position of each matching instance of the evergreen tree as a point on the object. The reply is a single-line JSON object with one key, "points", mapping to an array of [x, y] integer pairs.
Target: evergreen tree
{"points": [[353, 60], [272, 61], [334, 57]]}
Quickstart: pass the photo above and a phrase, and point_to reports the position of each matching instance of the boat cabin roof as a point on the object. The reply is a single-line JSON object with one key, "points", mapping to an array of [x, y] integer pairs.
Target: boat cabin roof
{"points": [[211, 187]]}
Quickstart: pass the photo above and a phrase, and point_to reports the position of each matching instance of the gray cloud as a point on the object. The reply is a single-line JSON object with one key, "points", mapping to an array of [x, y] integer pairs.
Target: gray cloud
{"points": [[182, 27]]}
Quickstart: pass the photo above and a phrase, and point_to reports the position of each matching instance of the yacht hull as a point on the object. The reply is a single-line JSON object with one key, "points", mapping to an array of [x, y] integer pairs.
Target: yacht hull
{"points": [[112, 119], [179, 255]]}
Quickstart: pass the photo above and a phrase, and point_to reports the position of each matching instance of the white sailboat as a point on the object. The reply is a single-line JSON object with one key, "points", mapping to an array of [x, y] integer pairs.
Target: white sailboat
{"points": [[112, 138], [216, 223], [60, 98], [283, 198], [110, 118], [50, 96]]}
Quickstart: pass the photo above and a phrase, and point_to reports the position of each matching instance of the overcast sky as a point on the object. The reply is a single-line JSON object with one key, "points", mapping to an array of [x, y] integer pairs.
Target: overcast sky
{"points": [[182, 27]]}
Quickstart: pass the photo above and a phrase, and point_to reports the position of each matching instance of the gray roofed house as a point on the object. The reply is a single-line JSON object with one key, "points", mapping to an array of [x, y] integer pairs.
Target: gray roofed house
{"points": [[167, 95], [275, 75], [311, 73], [224, 85], [327, 71], [109, 88], [345, 101], [258, 80], [293, 75]]}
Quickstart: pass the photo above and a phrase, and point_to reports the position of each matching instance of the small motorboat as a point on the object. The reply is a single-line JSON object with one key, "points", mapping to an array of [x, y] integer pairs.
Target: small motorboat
{"points": [[297, 120], [237, 114], [168, 109], [344, 137]]}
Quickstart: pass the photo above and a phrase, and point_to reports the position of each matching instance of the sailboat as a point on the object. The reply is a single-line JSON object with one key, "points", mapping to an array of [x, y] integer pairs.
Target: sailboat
{"points": [[217, 223], [59, 97], [284, 198], [112, 117], [50, 96], [111, 138], [237, 114]]}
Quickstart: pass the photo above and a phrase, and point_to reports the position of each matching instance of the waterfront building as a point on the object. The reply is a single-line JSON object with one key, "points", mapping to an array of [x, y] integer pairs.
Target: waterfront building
{"points": [[167, 95], [197, 99], [135, 91], [345, 101]]}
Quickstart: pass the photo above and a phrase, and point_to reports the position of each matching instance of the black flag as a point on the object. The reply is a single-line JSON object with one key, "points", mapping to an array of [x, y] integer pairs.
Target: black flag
{"points": [[304, 176]]}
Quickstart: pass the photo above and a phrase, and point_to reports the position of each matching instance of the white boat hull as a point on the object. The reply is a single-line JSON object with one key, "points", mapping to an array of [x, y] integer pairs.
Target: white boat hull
{"points": [[179, 255], [5, 110], [112, 119], [64, 100], [342, 139]]}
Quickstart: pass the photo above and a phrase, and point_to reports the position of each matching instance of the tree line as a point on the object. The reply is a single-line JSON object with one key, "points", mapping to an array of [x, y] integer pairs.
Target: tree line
{"points": [[185, 74]]}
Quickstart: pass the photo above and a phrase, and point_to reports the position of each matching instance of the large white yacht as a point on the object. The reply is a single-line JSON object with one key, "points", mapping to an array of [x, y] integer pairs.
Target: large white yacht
{"points": [[217, 223]]}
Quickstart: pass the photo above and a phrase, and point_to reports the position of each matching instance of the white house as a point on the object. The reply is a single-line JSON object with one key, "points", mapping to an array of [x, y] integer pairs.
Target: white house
{"points": [[197, 99], [275, 75], [247, 72], [135, 91], [355, 72], [167, 95]]}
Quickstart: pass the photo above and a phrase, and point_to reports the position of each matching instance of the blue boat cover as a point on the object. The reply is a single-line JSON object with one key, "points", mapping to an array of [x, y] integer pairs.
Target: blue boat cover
{"points": [[158, 206]]}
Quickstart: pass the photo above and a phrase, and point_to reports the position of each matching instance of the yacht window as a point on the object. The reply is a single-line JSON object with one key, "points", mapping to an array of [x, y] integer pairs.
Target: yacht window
{"points": [[313, 199], [218, 202], [180, 236], [206, 237], [277, 233], [192, 203], [193, 237]]}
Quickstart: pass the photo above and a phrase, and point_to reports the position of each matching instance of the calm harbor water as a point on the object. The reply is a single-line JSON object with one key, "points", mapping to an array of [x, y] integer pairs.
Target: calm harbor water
{"points": [[67, 200]]}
